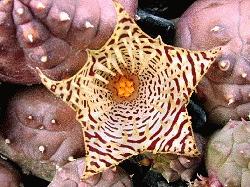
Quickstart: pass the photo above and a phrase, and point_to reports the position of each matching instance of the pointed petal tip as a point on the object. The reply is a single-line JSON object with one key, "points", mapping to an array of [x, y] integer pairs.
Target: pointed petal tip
{"points": [[159, 39], [44, 79], [217, 51], [39, 71]]}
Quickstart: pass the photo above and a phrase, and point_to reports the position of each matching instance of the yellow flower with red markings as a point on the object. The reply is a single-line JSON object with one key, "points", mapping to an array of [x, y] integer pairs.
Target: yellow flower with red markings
{"points": [[131, 96]]}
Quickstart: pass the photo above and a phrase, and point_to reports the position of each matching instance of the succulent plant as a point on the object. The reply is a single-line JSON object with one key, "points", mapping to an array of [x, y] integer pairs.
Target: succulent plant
{"points": [[225, 90], [174, 167], [9, 176], [228, 154], [52, 35], [70, 175], [40, 132]]}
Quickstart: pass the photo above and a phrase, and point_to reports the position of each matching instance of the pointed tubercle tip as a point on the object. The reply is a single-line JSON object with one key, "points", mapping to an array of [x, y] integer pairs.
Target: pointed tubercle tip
{"points": [[53, 121], [40, 6], [88, 25], [230, 101], [41, 148], [224, 65], [64, 16], [71, 159], [244, 75], [20, 11], [30, 38], [216, 28], [7, 141], [44, 58], [30, 117]]}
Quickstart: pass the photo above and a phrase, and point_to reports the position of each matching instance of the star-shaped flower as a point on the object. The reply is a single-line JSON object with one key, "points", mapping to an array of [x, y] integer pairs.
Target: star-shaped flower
{"points": [[131, 96]]}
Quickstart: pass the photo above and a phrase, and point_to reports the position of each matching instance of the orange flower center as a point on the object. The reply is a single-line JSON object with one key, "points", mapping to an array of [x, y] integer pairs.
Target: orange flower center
{"points": [[124, 87]]}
